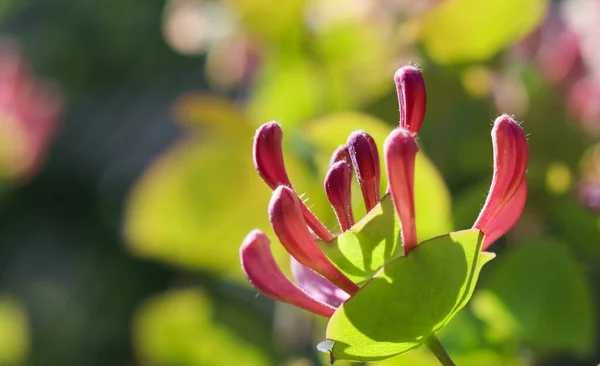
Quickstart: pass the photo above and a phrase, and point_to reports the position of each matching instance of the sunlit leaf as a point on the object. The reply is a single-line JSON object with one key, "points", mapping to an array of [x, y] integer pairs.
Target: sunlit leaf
{"points": [[368, 245], [473, 30], [179, 328], [409, 299], [543, 290]]}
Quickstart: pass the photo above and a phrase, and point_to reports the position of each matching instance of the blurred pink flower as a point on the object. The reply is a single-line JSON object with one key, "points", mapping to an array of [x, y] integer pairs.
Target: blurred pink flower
{"points": [[29, 116]]}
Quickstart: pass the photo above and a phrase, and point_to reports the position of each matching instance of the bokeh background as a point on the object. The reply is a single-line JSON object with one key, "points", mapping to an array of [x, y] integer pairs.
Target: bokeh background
{"points": [[127, 185]]}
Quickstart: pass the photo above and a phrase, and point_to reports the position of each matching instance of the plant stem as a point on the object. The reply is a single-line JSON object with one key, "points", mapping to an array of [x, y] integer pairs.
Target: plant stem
{"points": [[438, 350]]}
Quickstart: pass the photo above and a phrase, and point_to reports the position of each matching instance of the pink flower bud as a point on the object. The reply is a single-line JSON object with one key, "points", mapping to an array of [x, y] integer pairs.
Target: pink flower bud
{"points": [[268, 161], [288, 223], [338, 183], [411, 97], [341, 154], [508, 216], [510, 164], [268, 155], [365, 158], [400, 151], [264, 274]]}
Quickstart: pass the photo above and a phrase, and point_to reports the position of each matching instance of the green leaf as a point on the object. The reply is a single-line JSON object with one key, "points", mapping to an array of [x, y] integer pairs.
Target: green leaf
{"points": [[474, 30], [368, 245], [182, 328], [409, 298], [543, 290]]}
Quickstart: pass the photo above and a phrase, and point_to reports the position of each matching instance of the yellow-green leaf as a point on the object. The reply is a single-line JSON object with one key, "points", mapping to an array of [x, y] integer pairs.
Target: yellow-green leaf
{"points": [[474, 30]]}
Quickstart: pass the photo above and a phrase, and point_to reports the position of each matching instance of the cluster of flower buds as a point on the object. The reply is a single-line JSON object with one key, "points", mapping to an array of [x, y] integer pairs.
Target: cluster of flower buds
{"points": [[320, 287]]}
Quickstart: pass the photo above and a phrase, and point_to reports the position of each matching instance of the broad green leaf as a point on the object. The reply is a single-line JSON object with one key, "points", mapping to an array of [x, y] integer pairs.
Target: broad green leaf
{"points": [[180, 328], [432, 199], [474, 30], [368, 245], [409, 299], [546, 295]]}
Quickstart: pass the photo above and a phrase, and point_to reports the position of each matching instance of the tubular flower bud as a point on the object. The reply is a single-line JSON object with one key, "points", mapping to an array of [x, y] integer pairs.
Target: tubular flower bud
{"points": [[412, 97], [510, 164], [365, 158], [338, 183], [341, 154], [268, 161], [286, 219], [508, 216], [400, 151], [268, 155], [264, 274]]}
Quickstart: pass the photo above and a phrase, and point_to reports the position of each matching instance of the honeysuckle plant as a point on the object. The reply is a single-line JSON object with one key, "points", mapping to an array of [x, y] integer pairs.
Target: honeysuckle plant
{"points": [[383, 291]]}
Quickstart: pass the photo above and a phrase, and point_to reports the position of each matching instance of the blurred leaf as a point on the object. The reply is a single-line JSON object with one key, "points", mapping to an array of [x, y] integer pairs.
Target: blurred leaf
{"points": [[432, 199], [501, 326], [178, 328], [409, 299], [473, 30], [286, 90], [541, 287], [368, 245], [272, 20], [14, 332], [355, 61], [423, 357]]}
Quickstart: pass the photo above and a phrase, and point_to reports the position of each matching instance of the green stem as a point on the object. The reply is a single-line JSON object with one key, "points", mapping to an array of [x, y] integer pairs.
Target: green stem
{"points": [[438, 350]]}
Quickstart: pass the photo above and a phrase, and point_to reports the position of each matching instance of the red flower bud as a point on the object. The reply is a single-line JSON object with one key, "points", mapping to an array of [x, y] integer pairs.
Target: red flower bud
{"points": [[268, 155], [264, 274], [510, 164], [507, 217], [412, 97], [288, 223], [365, 158], [268, 161], [338, 183], [400, 152], [341, 154]]}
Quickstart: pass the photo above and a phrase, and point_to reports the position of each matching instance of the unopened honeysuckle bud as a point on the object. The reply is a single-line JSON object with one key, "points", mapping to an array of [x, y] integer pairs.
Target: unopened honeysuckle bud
{"points": [[268, 161], [511, 156], [412, 98], [264, 274], [288, 223], [338, 183], [365, 158], [268, 155], [341, 154], [400, 151], [508, 216]]}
